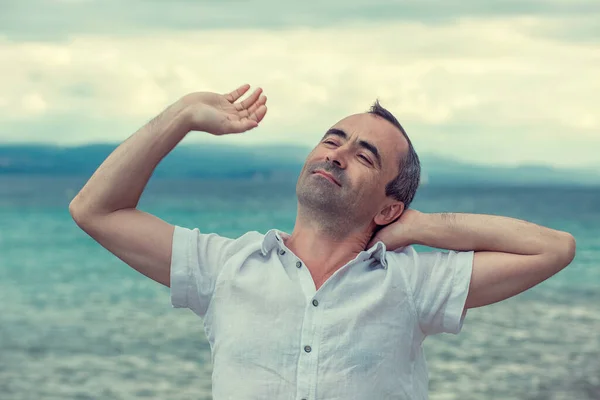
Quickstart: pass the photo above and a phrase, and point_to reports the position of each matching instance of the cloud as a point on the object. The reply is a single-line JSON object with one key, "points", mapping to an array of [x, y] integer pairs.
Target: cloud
{"points": [[494, 90], [61, 19], [582, 29]]}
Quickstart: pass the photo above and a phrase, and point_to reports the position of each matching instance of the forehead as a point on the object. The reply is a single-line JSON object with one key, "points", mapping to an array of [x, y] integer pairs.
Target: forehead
{"points": [[388, 139]]}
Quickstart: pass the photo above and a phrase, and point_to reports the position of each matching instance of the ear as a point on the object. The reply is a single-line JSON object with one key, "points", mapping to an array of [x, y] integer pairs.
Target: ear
{"points": [[389, 213]]}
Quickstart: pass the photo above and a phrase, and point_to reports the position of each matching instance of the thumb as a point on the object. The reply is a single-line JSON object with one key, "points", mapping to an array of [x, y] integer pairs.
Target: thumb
{"points": [[390, 235], [374, 240], [379, 234]]}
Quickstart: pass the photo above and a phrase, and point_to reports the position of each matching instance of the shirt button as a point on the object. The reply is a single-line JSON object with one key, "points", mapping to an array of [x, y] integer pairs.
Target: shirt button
{"points": [[282, 252], [307, 349], [298, 264], [315, 302]]}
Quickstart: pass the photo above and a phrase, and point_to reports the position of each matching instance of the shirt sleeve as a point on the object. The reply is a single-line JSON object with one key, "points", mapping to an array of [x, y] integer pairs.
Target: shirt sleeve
{"points": [[440, 281], [196, 260]]}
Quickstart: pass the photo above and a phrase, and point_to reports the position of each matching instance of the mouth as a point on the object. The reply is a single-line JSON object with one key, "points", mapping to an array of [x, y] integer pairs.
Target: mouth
{"points": [[327, 176]]}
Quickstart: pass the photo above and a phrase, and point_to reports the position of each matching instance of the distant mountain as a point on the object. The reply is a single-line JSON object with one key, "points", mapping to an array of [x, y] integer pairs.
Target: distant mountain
{"points": [[206, 161], [269, 162], [440, 171]]}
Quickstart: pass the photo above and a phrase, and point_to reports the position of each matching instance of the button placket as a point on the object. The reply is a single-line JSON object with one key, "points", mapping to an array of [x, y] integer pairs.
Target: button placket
{"points": [[309, 347], [314, 348]]}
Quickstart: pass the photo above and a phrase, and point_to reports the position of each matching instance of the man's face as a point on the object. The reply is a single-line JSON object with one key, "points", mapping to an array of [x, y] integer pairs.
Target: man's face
{"points": [[361, 153]]}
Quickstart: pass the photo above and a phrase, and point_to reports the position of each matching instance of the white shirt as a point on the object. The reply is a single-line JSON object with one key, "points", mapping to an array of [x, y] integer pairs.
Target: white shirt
{"points": [[273, 336]]}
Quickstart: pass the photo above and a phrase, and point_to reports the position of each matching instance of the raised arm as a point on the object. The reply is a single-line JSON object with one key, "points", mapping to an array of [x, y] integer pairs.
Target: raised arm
{"points": [[511, 255], [105, 208]]}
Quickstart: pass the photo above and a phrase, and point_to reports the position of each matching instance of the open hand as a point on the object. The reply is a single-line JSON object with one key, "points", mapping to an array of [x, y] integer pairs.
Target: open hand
{"points": [[219, 114]]}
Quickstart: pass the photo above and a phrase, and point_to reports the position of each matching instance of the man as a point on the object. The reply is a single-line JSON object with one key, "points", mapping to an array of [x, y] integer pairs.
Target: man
{"points": [[328, 311]]}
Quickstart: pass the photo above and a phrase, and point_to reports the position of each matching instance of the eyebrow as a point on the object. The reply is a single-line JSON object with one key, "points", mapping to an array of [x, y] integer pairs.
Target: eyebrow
{"points": [[362, 143]]}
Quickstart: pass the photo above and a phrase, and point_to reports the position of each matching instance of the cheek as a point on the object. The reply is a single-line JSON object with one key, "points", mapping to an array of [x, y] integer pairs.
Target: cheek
{"points": [[365, 183], [314, 154], [310, 160], [373, 187], [313, 158]]}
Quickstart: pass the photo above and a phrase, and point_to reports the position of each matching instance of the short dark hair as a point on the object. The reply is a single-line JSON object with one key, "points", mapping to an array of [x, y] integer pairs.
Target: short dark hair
{"points": [[404, 186]]}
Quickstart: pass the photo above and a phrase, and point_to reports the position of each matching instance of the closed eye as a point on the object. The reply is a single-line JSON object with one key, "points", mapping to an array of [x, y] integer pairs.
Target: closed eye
{"points": [[366, 159]]}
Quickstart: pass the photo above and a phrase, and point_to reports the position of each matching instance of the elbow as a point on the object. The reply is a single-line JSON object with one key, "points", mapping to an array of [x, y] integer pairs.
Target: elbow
{"points": [[572, 248], [77, 212], [565, 250], [74, 209]]}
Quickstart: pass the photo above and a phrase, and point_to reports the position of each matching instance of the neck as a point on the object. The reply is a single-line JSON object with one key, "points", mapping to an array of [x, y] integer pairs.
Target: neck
{"points": [[326, 246]]}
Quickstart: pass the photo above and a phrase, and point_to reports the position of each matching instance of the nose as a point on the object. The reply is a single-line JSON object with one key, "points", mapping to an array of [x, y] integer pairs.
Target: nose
{"points": [[337, 156]]}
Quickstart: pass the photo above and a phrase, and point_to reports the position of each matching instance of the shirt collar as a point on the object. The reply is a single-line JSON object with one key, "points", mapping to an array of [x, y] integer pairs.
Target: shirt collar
{"points": [[274, 238]]}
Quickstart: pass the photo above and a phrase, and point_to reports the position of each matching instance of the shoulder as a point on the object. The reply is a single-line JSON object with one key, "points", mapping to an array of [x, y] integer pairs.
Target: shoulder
{"points": [[196, 233], [214, 241], [402, 256], [252, 240], [429, 262], [249, 238], [410, 254]]}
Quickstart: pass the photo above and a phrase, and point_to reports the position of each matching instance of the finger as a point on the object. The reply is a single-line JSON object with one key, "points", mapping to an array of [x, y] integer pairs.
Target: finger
{"points": [[239, 125], [373, 242], [237, 93], [244, 105], [259, 114], [246, 113]]}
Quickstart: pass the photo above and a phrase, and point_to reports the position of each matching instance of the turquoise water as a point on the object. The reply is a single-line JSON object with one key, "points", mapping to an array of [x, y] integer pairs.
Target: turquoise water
{"points": [[77, 323]]}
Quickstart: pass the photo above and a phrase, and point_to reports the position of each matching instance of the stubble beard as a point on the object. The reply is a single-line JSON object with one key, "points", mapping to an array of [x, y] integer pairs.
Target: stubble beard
{"points": [[325, 204]]}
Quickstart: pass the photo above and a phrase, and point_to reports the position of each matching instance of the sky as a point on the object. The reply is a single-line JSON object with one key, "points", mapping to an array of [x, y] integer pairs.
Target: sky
{"points": [[504, 82]]}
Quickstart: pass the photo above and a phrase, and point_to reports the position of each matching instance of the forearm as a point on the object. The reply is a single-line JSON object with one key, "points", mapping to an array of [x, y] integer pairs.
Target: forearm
{"points": [[120, 180], [465, 232]]}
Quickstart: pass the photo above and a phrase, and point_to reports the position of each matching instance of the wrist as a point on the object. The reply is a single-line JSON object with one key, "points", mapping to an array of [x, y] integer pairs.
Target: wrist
{"points": [[420, 226], [182, 121], [192, 113]]}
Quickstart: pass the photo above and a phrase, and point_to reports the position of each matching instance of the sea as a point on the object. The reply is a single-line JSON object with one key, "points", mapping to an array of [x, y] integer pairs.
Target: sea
{"points": [[78, 323]]}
